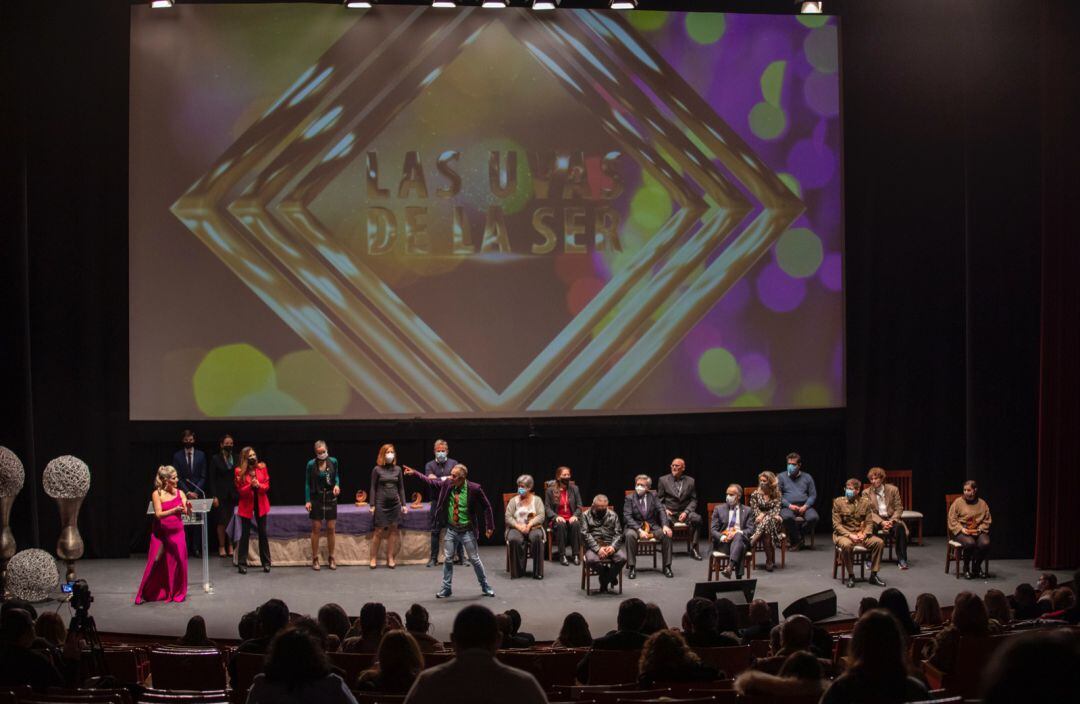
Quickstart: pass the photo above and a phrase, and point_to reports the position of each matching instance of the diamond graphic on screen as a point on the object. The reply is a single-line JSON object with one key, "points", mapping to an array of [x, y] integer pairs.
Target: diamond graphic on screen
{"points": [[253, 210]]}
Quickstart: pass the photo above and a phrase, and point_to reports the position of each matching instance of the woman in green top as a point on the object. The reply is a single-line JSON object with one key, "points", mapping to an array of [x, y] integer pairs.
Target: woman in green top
{"points": [[320, 499]]}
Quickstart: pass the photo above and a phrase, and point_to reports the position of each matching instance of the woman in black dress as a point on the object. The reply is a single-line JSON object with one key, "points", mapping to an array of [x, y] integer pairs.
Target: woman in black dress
{"points": [[387, 503], [223, 490], [320, 499]]}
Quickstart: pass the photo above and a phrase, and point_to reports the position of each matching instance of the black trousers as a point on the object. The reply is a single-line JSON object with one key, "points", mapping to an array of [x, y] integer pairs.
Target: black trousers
{"points": [[735, 549], [245, 534], [564, 535], [974, 549], [518, 561], [631, 537], [607, 569], [900, 539]]}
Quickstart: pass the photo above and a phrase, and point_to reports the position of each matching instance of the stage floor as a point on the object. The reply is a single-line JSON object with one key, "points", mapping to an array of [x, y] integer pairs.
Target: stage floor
{"points": [[541, 603]]}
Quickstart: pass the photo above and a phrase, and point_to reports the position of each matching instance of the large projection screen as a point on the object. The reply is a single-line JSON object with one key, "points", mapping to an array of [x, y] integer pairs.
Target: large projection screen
{"points": [[411, 212]]}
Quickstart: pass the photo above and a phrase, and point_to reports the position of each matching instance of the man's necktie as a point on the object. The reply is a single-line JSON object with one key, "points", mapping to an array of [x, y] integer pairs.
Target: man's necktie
{"points": [[731, 518]]}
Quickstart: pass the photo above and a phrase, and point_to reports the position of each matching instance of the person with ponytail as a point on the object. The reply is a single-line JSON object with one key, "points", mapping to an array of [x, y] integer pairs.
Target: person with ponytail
{"points": [[165, 576]]}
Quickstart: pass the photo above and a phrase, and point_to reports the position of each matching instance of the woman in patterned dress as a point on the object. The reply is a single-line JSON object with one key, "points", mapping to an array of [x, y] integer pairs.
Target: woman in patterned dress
{"points": [[768, 526]]}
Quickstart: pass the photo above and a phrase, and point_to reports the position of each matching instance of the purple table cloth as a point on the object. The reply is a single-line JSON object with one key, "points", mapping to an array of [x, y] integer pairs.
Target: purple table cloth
{"points": [[287, 522]]}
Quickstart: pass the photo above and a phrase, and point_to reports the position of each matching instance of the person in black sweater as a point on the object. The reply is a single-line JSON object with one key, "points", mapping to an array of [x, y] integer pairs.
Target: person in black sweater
{"points": [[627, 636], [19, 664]]}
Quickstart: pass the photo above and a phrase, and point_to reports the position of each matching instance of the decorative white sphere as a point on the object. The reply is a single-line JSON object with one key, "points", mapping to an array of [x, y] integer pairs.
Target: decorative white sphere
{"points": [[66, 477], [32, 575], [12, 473]]}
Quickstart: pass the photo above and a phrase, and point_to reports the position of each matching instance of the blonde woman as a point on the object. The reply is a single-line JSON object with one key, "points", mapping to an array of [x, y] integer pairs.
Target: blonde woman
{"points": [[165, 577], [768, 525]]}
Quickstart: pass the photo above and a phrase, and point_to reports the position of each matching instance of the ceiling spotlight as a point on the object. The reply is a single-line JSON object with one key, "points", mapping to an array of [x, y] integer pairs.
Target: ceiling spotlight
{"points": [[161, 3], [495, 4], [358, 4], [811, 8], [545, 4], [443, 3], [623, 4]]}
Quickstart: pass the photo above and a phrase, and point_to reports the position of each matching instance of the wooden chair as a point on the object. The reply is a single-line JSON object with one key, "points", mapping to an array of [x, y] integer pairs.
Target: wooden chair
{"points": [[626, 695], [760, 547], [182, 696], [550, 667], [433, 659], [647, 548], [247, 666], [538, 560], [953, 548], [719, 695], [760, 648], [353, 664], [731, 660], [902, 479], [858, 559], [582, 692], [664, 700], [613, 666], [91, 696], [587, 573], [127, 663], [177, 668]]}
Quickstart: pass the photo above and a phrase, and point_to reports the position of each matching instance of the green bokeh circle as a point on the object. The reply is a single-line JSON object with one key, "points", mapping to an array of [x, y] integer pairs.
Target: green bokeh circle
{"points": [[799, 252]]}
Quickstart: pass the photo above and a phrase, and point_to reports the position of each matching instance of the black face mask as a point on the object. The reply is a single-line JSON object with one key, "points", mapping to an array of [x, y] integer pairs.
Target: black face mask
{"points": [[598, 513], [189, 443], [227, 449], [565, 481]]}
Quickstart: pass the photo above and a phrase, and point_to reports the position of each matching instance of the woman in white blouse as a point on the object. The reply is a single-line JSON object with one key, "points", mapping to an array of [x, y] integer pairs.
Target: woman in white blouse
{"points": [[525, 521]]}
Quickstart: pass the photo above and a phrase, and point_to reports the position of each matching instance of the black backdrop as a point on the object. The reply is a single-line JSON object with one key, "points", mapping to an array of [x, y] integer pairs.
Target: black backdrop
{"points": [[942, 166]]}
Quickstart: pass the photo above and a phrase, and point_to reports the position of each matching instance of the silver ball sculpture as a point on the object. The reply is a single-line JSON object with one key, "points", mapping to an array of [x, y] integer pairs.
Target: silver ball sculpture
{"points": [[12, 476], [67, 479], [32, 575]]}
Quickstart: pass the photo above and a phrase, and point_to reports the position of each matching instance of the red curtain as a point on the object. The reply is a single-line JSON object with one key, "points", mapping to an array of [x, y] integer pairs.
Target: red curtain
{"points": [[1057, 538]]}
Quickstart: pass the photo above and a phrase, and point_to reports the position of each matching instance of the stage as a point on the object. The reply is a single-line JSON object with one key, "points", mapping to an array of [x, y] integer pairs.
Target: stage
{"points": [[541, 603]]}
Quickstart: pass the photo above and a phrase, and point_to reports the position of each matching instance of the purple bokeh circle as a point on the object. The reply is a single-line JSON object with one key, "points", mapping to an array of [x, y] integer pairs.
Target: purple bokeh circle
{"points": [[778, 291]]}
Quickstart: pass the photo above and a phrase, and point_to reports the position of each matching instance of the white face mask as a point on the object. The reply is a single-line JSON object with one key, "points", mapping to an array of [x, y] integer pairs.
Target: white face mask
{"points": [[389, 457], [322, 455], [732, 499], [641, 489]]}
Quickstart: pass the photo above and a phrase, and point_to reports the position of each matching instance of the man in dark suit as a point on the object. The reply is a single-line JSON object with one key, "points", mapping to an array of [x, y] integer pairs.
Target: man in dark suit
{"points": [[191, 467], [678, 494], [627, 636], [460, 506], [731, 525], [641, 508], [562, 504]]}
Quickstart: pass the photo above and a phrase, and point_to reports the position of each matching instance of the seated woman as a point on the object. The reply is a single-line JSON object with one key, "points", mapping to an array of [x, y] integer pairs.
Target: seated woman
{"points": [[928, 611], [969, 618], [666, 657], [768, 525], [574, 632], [398, 663], [969, 524], [297, 670], [997, 606], [801, 675], [195, 635], [525, 521], [879, 670]]}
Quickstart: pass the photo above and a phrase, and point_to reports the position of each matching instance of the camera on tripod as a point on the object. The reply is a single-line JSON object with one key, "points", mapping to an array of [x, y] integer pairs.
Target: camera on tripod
{"points": [[81, 597]]}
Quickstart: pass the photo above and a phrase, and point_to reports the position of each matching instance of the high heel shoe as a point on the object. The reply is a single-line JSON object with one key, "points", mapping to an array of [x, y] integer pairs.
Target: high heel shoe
{"points": [[332, 563], [391, 565], [372, 564], [315, 564]]}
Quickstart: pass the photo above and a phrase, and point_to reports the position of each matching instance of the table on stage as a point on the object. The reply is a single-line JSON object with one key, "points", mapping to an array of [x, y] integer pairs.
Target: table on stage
{"points": [[288, 529]]}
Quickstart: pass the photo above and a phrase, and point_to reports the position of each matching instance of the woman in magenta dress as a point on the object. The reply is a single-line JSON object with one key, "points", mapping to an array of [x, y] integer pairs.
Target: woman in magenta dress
{"points": [[165, 578]]}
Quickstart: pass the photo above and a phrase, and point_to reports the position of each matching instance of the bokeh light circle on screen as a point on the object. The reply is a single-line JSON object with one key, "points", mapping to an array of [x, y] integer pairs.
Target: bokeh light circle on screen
{"points": [[32, 575], [719, 371], [396, 276], [12, 473], [66, 477]]}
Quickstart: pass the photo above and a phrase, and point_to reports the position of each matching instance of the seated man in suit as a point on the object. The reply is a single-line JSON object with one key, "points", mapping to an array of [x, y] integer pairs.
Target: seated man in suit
{"points": [[678, 494], [730, 526], [562, 503], [643, 517], [603, 542], [887, 507], [853, 525]]}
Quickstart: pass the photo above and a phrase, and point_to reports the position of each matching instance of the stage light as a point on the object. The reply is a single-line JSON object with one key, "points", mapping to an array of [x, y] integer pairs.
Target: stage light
{"points": [[161, 3], [495, 4], [358, 4], [545, 4], [811, 8], [443, 3], [623, 4]]}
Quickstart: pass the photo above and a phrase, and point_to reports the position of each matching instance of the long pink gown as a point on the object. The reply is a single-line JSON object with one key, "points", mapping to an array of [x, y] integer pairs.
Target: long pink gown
{"points": [[165, 578]]}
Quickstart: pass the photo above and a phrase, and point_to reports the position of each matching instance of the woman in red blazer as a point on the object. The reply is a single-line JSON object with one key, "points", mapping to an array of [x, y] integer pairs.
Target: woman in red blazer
{"points": [[253, 483]]}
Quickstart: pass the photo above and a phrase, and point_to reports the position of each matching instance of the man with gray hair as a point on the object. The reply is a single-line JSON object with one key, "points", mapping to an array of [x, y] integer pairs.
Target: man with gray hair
{"points": [[603, 542], [645, 519]]}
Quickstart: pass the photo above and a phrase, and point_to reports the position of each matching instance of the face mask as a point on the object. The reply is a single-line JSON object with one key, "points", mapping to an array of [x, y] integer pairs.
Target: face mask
{"points": [[322, 455], [389, 458], [522, 491], [732, 499], [791, 469], [440, 456], [640, 489], [227, 449], [598, 513], [850, 493], [564, 481], [189, 443], [763, 485], [253, 460]]}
